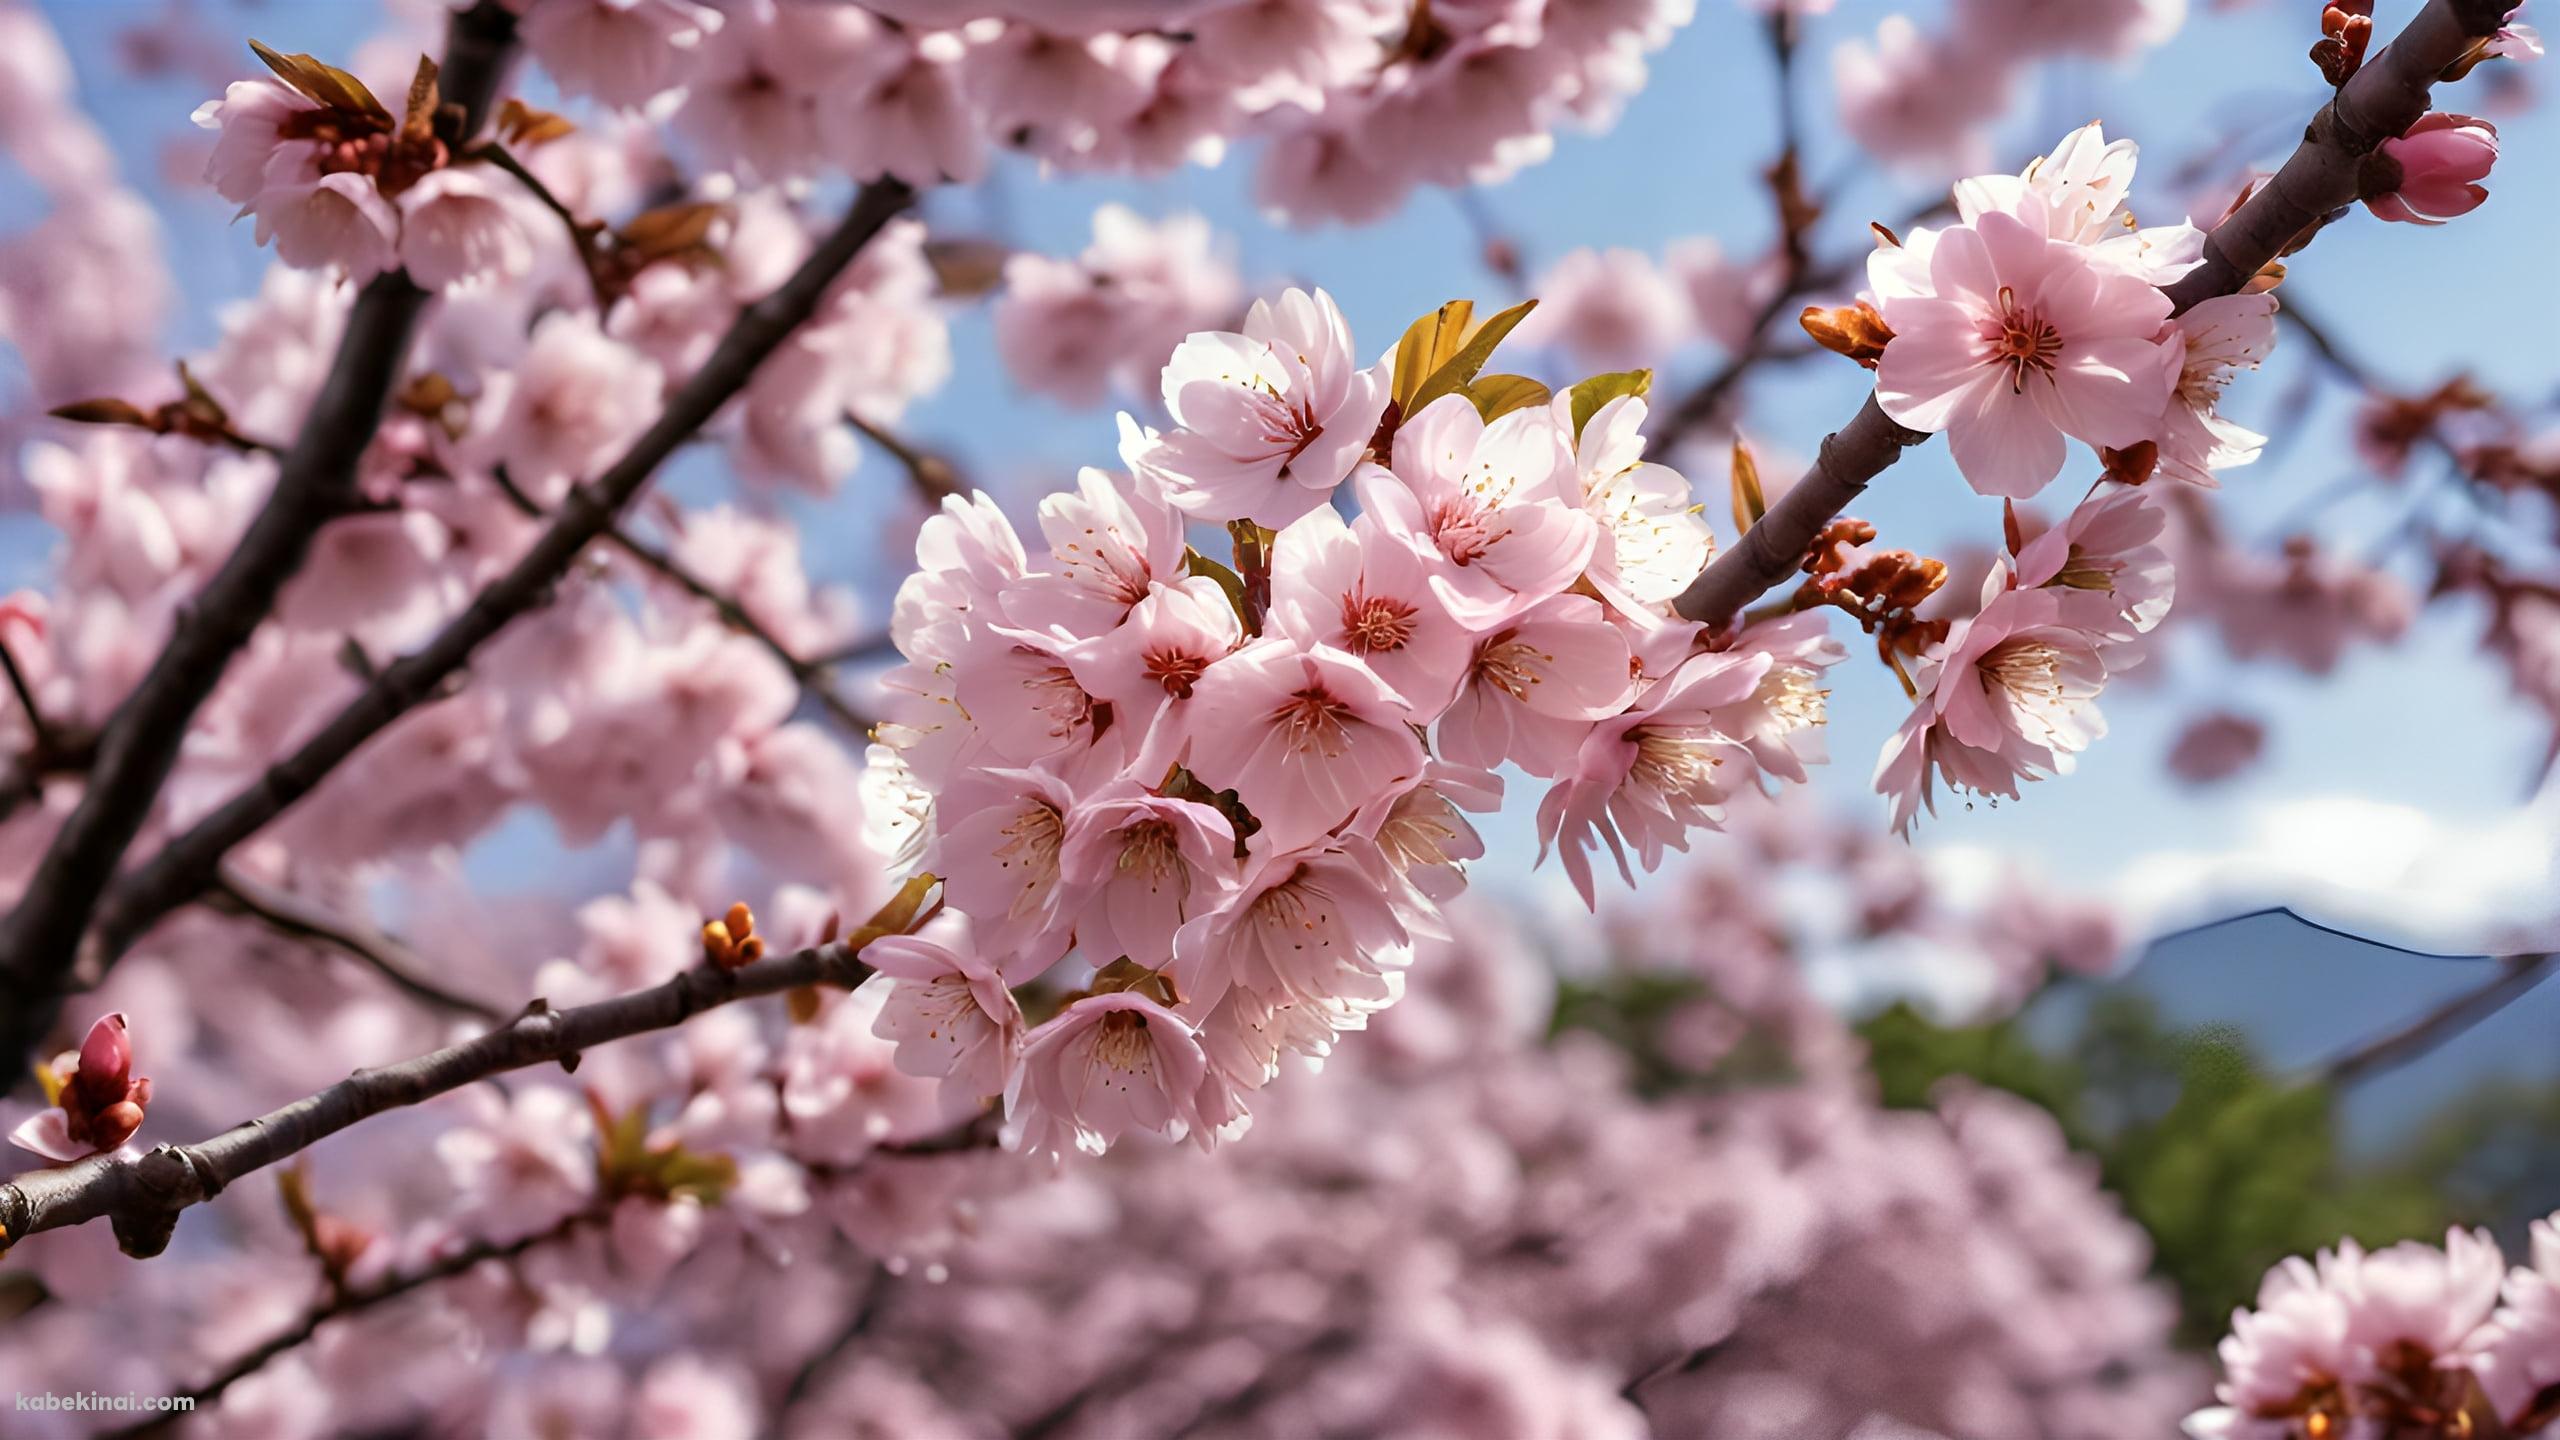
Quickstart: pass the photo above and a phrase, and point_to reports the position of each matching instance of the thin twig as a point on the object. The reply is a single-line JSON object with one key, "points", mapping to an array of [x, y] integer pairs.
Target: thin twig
{"points": [[140, 742], [296, 917], [934, 478], [184, 867], [470, 1257], [810, 675], [582, 233], [36, 726], [2517, 975], [804, 1380], [2382, 101]]}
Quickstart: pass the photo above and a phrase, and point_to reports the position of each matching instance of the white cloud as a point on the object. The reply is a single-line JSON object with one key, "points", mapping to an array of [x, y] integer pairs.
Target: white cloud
{"points": [[2490, 884]]}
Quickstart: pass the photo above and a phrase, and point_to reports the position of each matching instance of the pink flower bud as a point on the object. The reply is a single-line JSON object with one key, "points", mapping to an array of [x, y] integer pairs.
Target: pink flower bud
{"points": [[2438, 165], [101, 1103], [106, 1061]]}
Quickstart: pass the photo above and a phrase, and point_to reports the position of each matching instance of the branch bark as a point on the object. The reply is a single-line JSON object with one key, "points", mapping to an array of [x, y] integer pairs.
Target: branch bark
{"points": [[187, 865], [315, 483], [142, 1198], [810, 675], [2381, 101], [2516, 975], [296, 917]]}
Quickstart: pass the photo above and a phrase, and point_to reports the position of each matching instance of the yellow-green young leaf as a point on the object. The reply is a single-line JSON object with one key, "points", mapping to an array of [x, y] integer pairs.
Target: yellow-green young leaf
{"points": [[1473, 353], [1749, 504], [1427, 345], [1599, 390], [1499, 395]]}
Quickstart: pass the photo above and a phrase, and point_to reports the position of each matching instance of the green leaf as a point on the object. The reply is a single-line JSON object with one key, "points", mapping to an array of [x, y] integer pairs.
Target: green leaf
{"points": [[1590, 395], [1471, 356], [1499, 395]]}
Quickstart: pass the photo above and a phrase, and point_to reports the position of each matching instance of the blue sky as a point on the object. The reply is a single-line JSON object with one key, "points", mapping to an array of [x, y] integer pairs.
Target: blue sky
{"points": [[2395, 793]]}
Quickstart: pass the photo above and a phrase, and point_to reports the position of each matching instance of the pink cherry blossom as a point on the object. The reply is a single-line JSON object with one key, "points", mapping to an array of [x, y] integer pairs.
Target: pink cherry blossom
{"points": [[2441, 161], [948, 1012], [2215, 340], [1110, 543], [1145, 865], [1648, 777], [1313, 925], [1653, 541], [1609, 309], [1360, 589], [2107, 546], [454, 227], [2013, 696], [248, 143], [2010, 341], [2214, 747], [1306, 735], [1493, 507], [1002, 859], [1534, 687], [622, 52], [1270, 420], [1149, 667], [1106, 1065]]}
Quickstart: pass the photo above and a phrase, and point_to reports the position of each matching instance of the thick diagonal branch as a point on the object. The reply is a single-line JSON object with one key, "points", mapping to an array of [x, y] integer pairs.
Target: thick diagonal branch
{"points": [[143, 1197], [2383, 100], [189, 864], [314, 483]]}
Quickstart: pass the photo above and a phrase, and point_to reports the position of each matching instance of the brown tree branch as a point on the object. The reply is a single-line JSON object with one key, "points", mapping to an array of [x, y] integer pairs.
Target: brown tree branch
{"points": [[143, 1197], [314, 483], [810, 675], [2516, 975], [934, 478], [187, 865], [2383, 100], [297, 917]]}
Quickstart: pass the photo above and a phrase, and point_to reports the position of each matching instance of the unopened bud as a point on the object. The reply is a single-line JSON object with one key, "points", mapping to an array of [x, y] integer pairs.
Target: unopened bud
{"points": [[1857, 331]]}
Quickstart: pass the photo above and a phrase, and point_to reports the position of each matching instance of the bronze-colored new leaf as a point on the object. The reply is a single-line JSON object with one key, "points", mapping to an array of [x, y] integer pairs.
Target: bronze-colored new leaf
{"points": [[1749, 502], [1475, 349], [321, 83]]}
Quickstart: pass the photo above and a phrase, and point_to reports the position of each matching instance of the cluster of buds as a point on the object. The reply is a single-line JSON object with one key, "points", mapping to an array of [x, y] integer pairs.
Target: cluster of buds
{"points": [[2346, 28], [96, 1100], [731, 941], [1882, 590], [2392, 426]]}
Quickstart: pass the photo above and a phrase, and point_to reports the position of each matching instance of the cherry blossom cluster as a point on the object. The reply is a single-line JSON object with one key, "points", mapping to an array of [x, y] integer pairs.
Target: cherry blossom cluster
{"points": [[1359, 100], [1238, 795], [1929, 100], [2413, 1340], [336, 180], [1076, 329]]}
